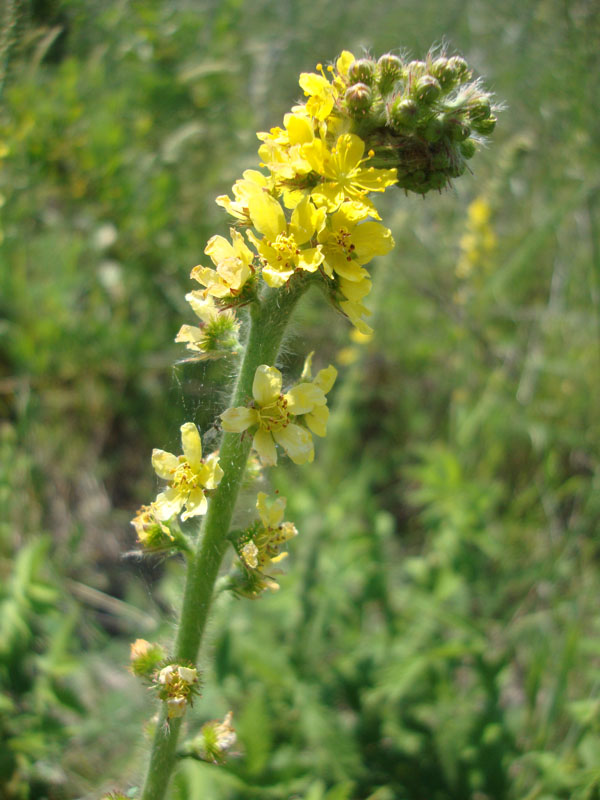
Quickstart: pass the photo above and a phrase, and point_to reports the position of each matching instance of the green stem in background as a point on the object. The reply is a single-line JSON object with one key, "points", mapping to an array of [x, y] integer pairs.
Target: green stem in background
{"points": [[268, 319]]}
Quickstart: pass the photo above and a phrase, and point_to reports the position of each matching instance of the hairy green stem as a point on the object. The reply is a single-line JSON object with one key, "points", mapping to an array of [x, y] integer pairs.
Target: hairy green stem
{"points": [[268, 319]]}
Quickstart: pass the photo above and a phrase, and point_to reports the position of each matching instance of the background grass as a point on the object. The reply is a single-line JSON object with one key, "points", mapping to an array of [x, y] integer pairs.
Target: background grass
{"points": [[436, 634]]}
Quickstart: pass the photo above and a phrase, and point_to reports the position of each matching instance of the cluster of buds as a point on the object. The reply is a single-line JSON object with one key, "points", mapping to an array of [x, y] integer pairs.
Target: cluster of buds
{"points": [[156, 536], [216, 334], [214, 742], [177, 686], [421, 117], [259, 547], [146, 658]]}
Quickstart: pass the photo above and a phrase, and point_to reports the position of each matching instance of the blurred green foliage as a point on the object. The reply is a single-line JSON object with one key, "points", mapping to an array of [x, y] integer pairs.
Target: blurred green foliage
{"points": [[436, 635]]}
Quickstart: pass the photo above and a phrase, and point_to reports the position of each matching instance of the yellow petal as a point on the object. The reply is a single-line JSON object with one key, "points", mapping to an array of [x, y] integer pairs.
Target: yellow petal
{"points": [[304, 397], [164, 464], [236, 420], [317, 420], [297, 442], [267, 215], [168, 503], [266, 387], [271, 513], [218, 248], [326, 378], [349, 151], [195, 504], [211, 472], [265, 447], [344, 62], [192, 445], [303, 222], [299, 129]]}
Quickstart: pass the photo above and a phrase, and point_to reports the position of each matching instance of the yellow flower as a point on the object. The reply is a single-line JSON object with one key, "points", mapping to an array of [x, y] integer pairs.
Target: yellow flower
{"points": [[348, 245], [233, 264], [322, 94], [345, 177], [259, 546], [252, 182], [177, 686], [281, 248], [188, 476], [281, 150], [273, 414], [218, 326]]}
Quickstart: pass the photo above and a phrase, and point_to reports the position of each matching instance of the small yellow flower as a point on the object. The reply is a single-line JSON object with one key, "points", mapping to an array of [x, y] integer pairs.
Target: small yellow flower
{"points": [[177, 685], [188, 476], [321, 93], [274, 414], [343, 173], [218, 326], [281, 248], [348, 245], [233, 264], [252, 182]]}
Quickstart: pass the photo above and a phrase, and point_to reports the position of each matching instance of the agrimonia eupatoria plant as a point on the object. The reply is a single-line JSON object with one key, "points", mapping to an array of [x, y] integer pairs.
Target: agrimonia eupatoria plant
{"points": [[307, 218]]}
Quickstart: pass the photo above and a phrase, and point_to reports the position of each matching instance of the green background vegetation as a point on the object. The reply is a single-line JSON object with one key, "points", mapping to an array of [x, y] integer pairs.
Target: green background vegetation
{"points": [[436, 635]]}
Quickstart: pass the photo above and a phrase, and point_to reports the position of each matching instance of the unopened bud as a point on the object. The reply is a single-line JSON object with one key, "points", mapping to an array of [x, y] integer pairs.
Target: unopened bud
{"points": [[480, 109], [404, 113], [460, 68], [145, 657], [457, 129], [485, 126], [358, 97], [362, 71], [390, 70], [416, 68], [427, 89], [215, 740], [467, 148]]}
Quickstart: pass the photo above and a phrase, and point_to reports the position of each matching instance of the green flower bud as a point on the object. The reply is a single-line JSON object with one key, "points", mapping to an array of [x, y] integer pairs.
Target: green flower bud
{"points": [[358, 98], [390, 70], [467, 148], [445, 72], [460, 68], [427, 89], [457, 129], [404, 113], [416, 68], [362, 71], [480, 109], [145, 657], [485, 126], [434, 129]]}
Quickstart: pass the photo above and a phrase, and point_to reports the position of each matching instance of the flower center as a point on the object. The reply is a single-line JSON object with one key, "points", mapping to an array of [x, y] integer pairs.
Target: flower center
{"points": [[286, 249], [275, 416], [185, 477]]}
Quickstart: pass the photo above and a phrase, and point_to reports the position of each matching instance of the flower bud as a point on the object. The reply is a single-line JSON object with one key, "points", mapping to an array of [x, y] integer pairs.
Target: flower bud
{"points": [[457, 129], [214, 741], [358, 98], [145, 657], [460, 68], [445, 72], [427, 89], [404, 113], [480, 109], [434, 129], [485, 126], [390, 70], [416, 68], [467, 148], [362, 71]]}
